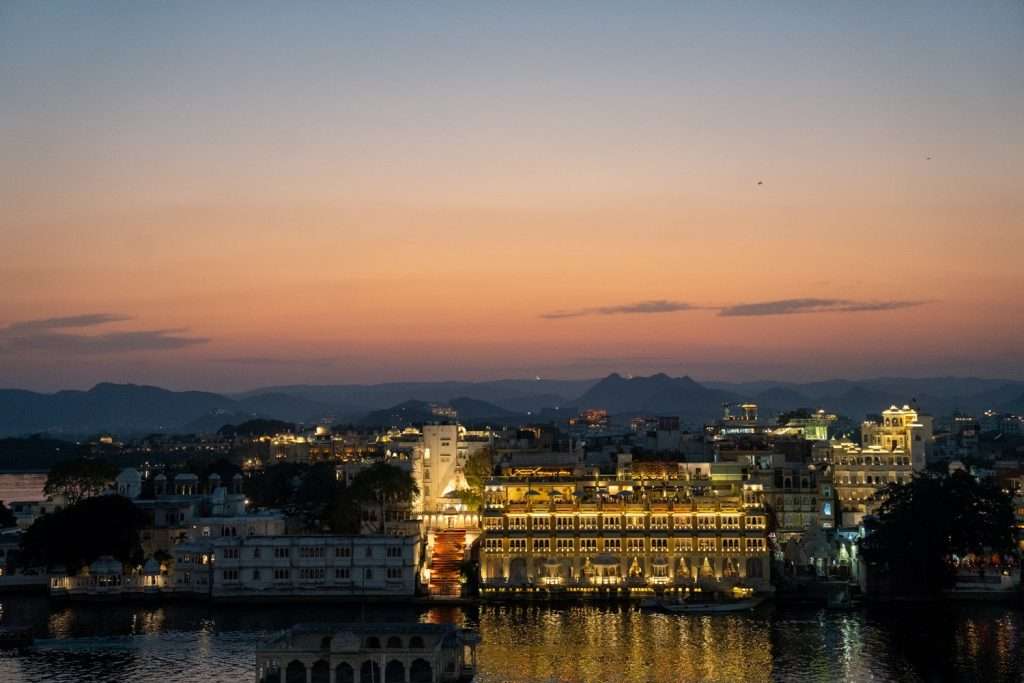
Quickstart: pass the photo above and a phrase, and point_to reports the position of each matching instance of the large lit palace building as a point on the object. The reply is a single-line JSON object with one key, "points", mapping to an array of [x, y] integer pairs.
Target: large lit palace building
{"points": [[685, 528]]}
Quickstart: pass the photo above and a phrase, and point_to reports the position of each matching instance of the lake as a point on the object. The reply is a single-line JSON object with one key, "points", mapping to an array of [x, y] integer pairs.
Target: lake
{"points": [[182, 642]]}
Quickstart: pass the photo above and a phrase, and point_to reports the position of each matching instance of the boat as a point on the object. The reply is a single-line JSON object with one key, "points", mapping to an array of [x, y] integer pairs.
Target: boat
{"points": [[15, 639], [694, 605]]}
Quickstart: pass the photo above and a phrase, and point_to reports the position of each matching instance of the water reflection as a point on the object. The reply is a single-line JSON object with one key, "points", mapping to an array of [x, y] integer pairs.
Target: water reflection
{"points": [[195, 641]]}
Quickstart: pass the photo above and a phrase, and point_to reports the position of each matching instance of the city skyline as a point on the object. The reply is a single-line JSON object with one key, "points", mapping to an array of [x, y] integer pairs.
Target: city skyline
{"points": [[225, 198]]}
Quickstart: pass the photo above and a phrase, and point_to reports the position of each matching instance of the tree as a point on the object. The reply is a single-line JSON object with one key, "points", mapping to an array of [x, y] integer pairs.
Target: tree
{"points": [[77, 535], [7, 518], [383, 485], [76, 480], [922, 524], [478, 469]]}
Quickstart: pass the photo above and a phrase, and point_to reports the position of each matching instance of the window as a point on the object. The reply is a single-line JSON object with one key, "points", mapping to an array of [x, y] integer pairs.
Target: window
{"points": [[369, 574], [492, 523], [343, 573], [394, 551], [730, 545], [730, 522], [517, 523], [634, 522], [492, 545], [659, 545], [230, 554], [256, 553], [310, 553], [542, 523], [517, 545], [311, 574], [230, 575], [281, 553], [588, 545], [684, 545], [394, 573], [706, 545], [705, 521], [613, 545], [343, 552], [563, 523], [611, 522], [755, 522], [588, 522], [682, 521], [369, 551], [635, 545], [282, 574], [255, 574], [542, 545], [756, 545], [564, 545], [659, 521]]}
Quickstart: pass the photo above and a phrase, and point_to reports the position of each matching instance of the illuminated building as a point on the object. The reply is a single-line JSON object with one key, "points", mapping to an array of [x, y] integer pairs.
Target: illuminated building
{"points": [[858, 473], [900, 429], [679, 527]]}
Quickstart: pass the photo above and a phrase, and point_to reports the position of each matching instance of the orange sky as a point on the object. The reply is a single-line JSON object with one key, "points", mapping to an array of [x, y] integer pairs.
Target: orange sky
{"points": [[254, 208]]}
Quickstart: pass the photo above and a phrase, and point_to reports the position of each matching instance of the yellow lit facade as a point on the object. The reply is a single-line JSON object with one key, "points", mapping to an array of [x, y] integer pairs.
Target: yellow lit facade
{"points": [[581, 535]]}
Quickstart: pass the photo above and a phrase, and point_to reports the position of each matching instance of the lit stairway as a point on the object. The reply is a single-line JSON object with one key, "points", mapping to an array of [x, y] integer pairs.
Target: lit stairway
{"points": [[449, 549]]}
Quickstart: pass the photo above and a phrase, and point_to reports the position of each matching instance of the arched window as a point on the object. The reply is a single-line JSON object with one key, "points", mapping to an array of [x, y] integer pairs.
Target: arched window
{"points": [[420, 671], [296, 672], [394, 643], [416, 643], [321, 672], [394, 672], [369, 672], [373, 643], [272, 674], [344, 673]]}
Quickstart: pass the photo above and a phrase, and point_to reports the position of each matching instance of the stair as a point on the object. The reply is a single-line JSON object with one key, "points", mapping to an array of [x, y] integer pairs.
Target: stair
{"points": [[445, 559]]}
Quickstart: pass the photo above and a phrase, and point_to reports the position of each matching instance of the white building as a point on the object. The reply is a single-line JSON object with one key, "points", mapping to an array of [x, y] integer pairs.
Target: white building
{"points": [[297, 566]]}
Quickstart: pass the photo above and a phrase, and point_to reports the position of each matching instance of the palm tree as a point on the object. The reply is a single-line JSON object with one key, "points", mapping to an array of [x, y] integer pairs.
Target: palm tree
{"points": [[384, 484]]}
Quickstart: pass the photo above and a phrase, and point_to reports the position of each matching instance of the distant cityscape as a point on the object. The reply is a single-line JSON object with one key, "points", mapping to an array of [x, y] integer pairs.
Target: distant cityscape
{"points": [[592, 503]]}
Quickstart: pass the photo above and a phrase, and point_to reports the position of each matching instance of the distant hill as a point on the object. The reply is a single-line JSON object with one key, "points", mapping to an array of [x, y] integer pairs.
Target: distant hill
{"points": [[469, 410], [117, 408], [517, 395], [658, 395], [128, 409]]}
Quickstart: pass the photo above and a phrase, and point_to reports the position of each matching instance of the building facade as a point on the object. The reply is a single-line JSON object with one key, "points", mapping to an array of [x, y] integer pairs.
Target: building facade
{"points": [[297, 566]]}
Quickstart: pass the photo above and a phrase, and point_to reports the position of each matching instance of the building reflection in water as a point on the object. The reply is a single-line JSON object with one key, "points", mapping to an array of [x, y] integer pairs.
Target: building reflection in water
{"points": [[610, 644]]}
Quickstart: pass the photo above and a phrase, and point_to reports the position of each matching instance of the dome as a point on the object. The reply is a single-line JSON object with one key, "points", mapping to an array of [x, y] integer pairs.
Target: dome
{"points": [[105, 565], [160, 477], [152, 567], [129, 476], [186, 477]]}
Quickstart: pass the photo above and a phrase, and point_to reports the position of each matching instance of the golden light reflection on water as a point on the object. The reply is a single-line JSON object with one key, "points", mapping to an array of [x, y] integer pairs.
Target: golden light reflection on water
{"points": [[586, 644]]}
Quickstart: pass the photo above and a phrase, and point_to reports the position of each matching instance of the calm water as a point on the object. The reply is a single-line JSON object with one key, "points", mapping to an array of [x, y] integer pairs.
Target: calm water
{"points": [[193, 642], [21, 486]]}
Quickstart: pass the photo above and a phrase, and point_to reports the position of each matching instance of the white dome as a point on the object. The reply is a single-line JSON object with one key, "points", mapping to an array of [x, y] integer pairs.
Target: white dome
{"points": [[152, 567]]}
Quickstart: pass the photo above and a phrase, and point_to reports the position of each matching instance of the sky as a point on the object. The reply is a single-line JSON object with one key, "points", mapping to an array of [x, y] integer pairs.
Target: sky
{"points": [[236, 194]]}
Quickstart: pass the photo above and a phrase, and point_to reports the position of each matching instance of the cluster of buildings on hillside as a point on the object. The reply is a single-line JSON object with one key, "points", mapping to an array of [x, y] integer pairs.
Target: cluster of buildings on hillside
{"points": [[586, 510]]}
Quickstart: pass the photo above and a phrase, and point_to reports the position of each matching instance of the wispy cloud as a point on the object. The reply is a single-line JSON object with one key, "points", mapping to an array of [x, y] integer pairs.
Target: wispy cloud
{"points": [[52, 335], [811, 305], [642, 307], [762, 308]]}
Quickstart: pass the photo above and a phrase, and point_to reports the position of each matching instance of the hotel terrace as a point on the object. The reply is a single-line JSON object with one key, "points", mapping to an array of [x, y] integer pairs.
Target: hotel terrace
{"points": [[677, 530]]}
